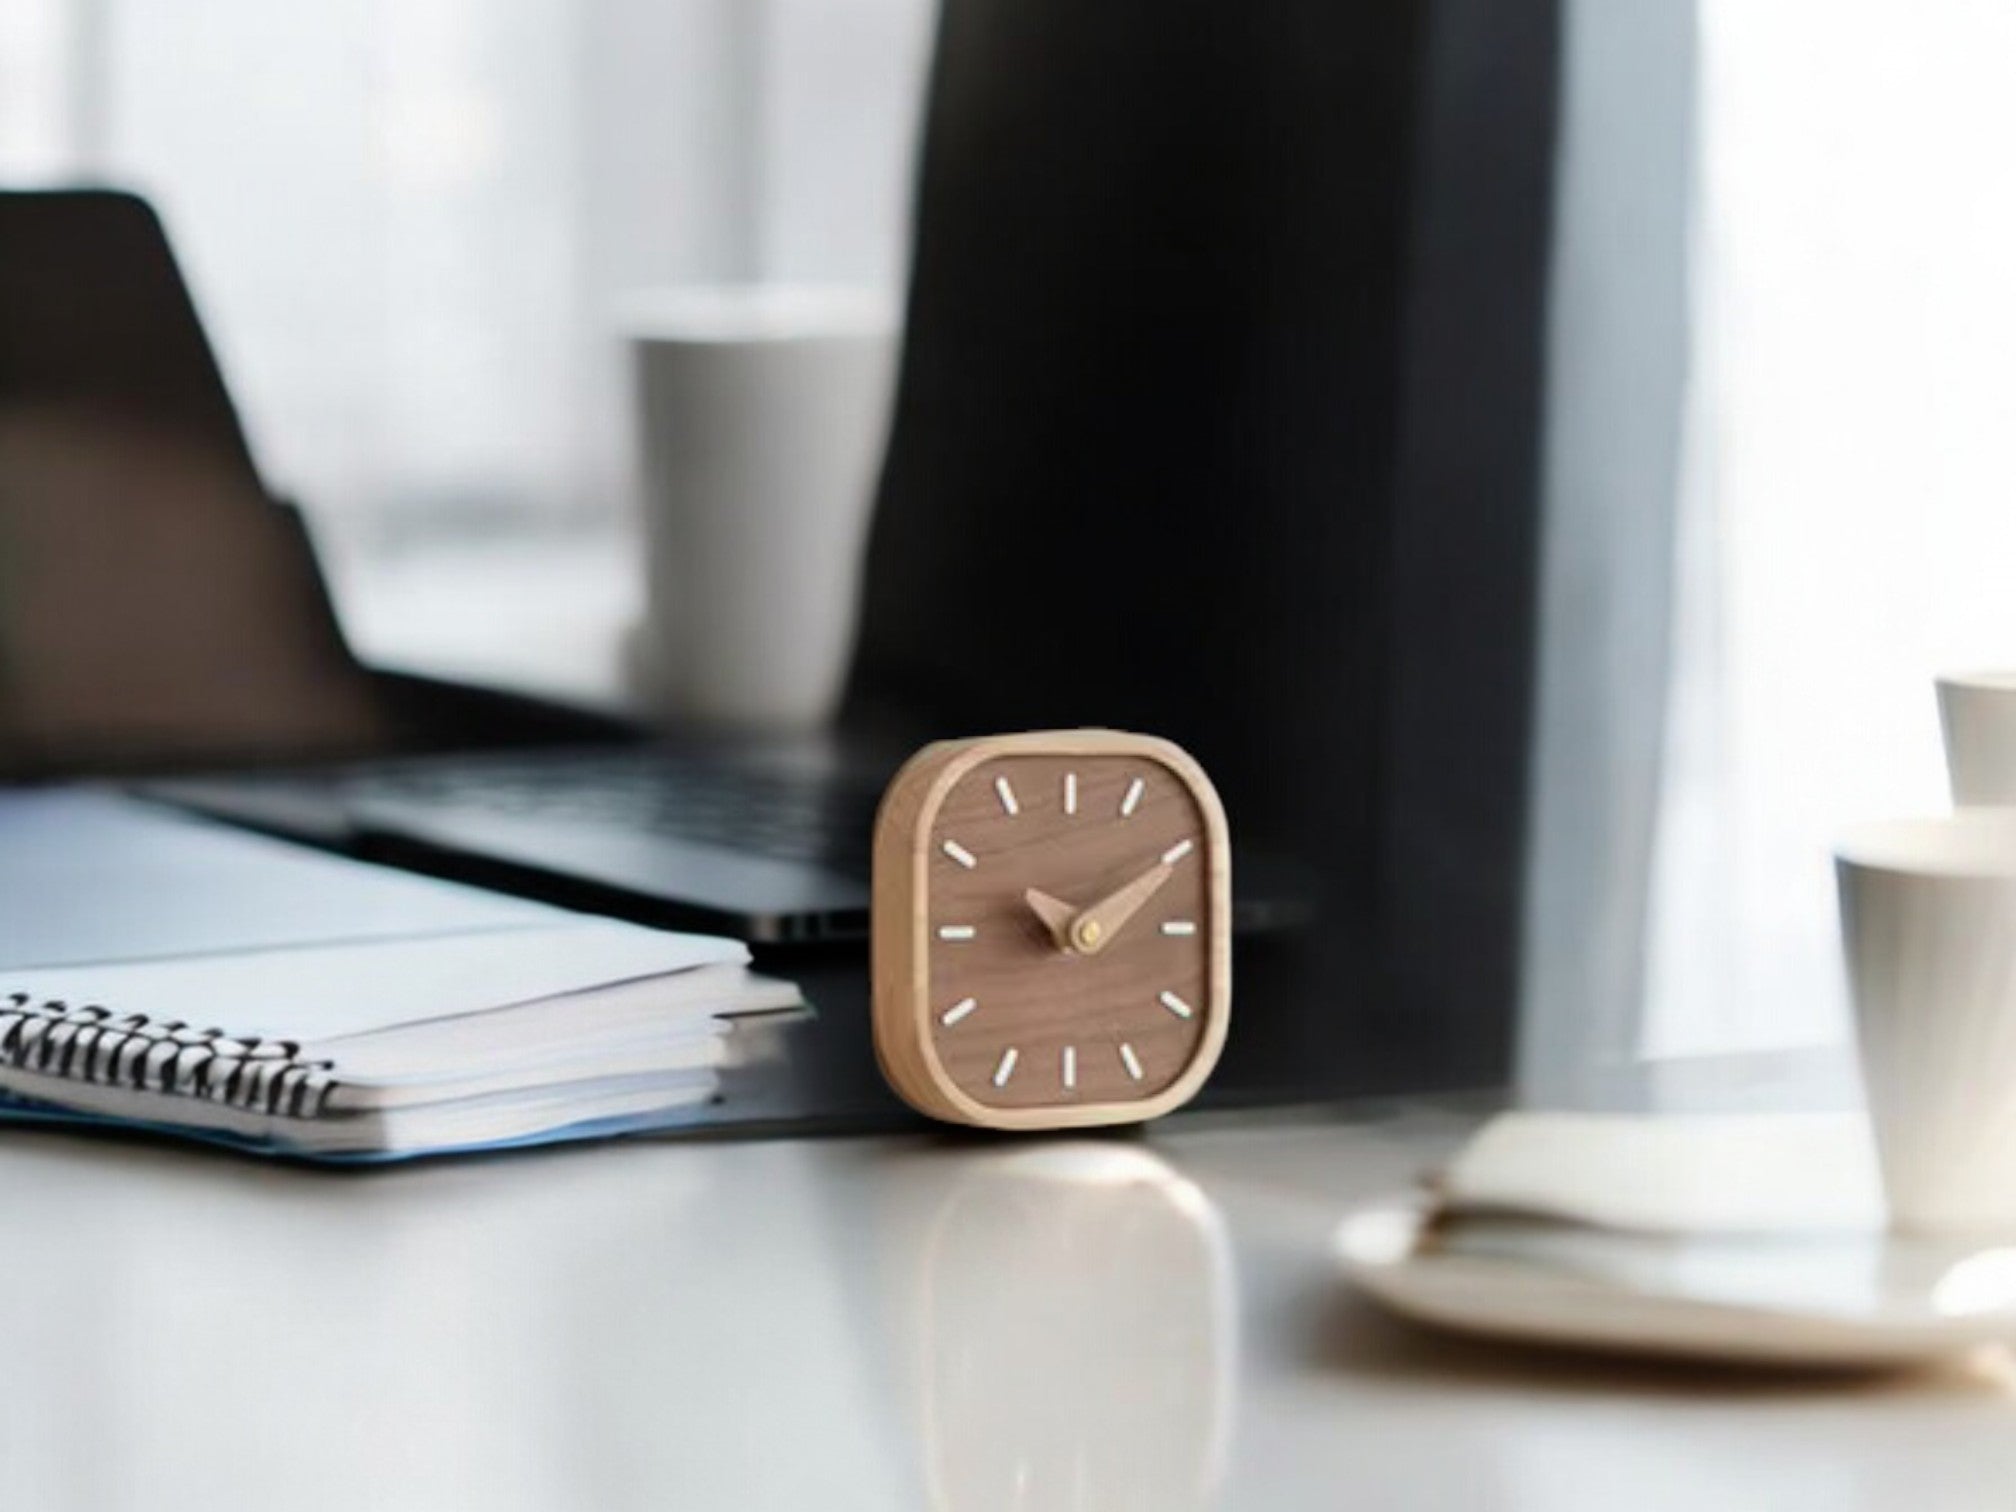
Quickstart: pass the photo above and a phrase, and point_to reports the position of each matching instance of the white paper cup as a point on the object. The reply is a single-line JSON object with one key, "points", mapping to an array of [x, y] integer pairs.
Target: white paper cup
{"points": [[762, 412], [1928, 924], [1977, 714]]}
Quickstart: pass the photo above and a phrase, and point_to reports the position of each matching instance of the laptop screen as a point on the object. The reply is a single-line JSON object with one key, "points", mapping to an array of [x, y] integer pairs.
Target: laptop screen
{"points": [[156, 606]]}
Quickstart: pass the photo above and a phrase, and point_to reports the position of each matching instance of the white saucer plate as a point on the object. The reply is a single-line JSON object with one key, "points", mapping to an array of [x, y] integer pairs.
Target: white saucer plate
{"points": [[1843, 1300]]}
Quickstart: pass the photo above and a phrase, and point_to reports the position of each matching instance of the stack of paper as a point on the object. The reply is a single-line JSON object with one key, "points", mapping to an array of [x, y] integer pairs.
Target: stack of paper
{"points": [[167, 972]]}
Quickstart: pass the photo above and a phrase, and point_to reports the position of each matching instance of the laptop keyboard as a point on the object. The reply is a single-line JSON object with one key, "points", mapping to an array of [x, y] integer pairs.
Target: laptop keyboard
{"points": [[790, 816]]}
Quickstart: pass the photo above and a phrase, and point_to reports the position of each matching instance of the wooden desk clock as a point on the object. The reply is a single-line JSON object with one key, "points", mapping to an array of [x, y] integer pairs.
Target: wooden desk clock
{"points": [[1052, 930]]}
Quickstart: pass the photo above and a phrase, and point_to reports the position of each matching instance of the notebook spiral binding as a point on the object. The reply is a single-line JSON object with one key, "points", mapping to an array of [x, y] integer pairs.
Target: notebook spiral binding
{"points": [[93, 1044]]}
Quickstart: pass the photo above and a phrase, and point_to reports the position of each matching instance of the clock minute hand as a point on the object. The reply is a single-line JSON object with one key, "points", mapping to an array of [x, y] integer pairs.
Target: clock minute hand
{"points": [[1095, 927]]}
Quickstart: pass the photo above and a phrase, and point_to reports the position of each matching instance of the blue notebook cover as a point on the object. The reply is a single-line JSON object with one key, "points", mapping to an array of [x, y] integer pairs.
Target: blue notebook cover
{"points": [[16, 1110]]}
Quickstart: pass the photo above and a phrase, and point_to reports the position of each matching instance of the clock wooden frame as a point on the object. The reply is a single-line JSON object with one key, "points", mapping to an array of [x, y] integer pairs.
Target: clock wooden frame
{"points": [[901, 929]]}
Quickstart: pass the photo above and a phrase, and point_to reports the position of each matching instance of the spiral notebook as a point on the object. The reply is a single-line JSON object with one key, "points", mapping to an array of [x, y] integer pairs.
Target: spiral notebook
{"points": [[163, 972]]}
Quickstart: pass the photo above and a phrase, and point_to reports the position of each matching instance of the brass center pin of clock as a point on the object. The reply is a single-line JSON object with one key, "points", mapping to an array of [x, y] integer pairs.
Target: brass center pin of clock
{"points": [[1088, 934]]}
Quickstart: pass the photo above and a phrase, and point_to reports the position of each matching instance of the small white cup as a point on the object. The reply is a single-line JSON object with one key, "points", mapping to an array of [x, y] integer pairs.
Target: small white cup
{"points": [[762, 412], [1977, 713], [1928, 924]]}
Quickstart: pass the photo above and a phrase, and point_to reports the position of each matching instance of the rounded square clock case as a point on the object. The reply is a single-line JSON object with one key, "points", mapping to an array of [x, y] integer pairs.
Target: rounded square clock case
{"points": [[1052, 930]]}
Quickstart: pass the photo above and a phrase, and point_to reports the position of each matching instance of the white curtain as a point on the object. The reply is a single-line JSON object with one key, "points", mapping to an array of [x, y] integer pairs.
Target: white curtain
{"points": [[1833, 520], [409, 221], [1848, 483]]}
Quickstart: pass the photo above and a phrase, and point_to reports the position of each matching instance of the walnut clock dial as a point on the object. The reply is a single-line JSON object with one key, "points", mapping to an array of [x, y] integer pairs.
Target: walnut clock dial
{"points": [[1052, 929]]}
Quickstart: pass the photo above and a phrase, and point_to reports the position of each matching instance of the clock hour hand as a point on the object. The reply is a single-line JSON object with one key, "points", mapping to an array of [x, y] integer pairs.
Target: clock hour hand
{"points": [[1095, 927], [1055, 913]]}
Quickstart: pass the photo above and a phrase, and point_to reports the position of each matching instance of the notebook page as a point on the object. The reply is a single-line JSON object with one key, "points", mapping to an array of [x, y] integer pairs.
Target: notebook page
{"points": [[315, 994], [91, 876]]}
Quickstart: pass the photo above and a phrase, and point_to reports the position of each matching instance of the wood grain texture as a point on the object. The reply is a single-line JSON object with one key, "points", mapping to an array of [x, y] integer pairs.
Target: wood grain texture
{"points": [[1132, 1053]]}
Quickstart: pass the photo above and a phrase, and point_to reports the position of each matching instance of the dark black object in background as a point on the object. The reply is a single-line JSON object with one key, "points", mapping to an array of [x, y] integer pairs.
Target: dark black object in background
{"points": [[1219, 418]]}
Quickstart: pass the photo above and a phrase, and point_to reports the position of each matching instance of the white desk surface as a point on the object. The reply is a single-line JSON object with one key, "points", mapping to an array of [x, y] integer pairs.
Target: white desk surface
{"points": [[892, 1323]]}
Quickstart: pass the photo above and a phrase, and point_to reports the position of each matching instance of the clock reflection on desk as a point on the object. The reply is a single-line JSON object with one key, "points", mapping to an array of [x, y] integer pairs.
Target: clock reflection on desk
{"points": [[1078, 1335]]}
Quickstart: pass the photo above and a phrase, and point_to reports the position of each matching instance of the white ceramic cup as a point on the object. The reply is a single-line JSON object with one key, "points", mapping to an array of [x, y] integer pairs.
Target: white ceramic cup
{"points": [[762, 412], [1928, 923], [1977, 713]]}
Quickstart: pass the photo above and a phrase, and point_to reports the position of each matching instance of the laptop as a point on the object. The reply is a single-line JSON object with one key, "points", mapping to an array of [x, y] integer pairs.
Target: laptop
{"points": [[234, 657]]}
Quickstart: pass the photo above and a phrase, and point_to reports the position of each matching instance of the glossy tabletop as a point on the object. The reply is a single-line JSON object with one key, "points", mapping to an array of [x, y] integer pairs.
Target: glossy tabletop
{"points": [[1127, 1322]]}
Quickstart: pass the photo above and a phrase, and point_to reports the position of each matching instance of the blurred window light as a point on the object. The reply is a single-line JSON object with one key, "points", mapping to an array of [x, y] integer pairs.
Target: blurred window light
{"points": [[40, 99], [409, 222], [1846, 481]]}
